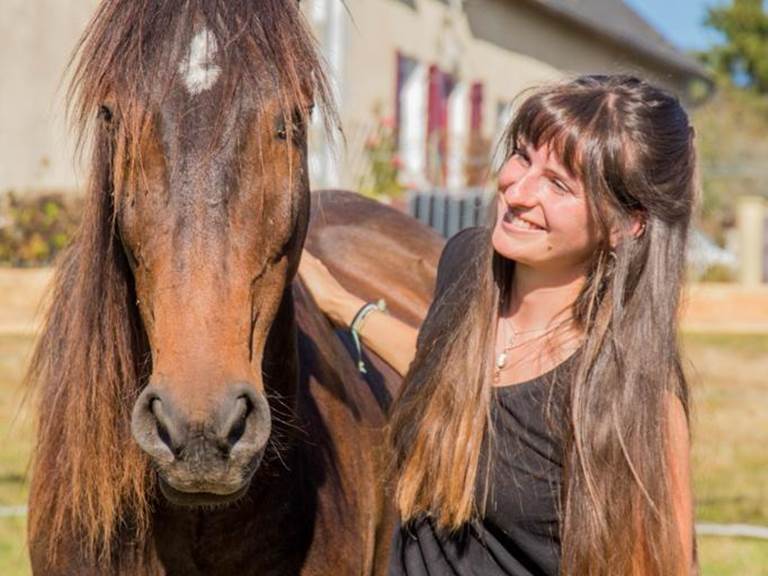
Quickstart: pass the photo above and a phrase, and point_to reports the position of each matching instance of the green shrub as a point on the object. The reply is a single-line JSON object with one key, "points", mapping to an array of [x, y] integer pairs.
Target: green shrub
{"points": [[718, 273], [383, 161], [34, 229]]}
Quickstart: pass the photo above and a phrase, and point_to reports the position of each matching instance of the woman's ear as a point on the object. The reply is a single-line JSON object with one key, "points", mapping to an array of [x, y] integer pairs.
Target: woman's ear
{"points": [[634, 226], [637, 224]]}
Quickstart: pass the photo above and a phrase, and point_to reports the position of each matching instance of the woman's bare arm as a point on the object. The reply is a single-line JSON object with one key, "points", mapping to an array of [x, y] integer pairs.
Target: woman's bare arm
{"points": [[392, 340]]}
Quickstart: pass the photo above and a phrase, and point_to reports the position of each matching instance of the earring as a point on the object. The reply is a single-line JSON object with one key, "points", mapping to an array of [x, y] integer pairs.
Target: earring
{"points": [[610, 253], [610, 260]]}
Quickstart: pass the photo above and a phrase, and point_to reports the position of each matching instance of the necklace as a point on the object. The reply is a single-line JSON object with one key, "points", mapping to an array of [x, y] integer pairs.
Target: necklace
{"points": [[512, 343]]}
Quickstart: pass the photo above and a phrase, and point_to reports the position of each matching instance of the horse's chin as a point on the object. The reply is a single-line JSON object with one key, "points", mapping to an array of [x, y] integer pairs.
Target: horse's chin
{"points": [[183, 487], [201, 498]]}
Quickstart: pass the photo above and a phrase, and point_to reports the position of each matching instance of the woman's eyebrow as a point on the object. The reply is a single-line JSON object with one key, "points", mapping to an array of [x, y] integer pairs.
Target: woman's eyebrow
{"points": [[561, 175], [525, 147]]}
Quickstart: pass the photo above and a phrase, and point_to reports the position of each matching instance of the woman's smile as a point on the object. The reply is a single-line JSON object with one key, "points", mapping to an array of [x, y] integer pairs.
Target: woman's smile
{"points": [[513, 222]]}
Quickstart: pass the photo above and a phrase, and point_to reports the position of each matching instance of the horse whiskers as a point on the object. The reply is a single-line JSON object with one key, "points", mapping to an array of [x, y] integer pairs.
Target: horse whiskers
{"points": [[288, 424], [276, 397], [283, 410], [274, 450], [287, 416]]}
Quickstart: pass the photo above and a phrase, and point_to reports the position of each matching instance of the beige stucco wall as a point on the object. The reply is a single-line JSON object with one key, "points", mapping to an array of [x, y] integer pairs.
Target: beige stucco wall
{"points": [[424, 32], [507, 44], [380, 28], [36, 40]]}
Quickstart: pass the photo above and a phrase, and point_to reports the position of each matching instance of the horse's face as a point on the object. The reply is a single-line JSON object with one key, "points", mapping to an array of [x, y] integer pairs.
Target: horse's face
{"points": [[211, 212]]}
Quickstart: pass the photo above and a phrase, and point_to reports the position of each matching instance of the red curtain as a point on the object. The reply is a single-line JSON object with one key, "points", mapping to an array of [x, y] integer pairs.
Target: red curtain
{"points": [[400, 72], [440, 86], [476, 107]]}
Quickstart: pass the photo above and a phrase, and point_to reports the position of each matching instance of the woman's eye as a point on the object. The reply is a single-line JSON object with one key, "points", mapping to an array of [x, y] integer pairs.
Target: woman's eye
{"points": [[561, 186]]}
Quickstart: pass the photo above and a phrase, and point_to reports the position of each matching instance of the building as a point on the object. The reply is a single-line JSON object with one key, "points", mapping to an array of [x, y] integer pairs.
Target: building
{"points": [[444, 73], [441, 73], [36, 41]]}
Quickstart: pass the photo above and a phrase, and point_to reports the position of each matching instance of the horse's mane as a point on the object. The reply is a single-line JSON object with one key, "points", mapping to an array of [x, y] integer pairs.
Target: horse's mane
{"points": [[91, 482]]}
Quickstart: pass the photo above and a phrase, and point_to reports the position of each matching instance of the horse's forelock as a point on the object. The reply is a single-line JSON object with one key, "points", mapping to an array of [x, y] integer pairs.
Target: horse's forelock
{"points": [[137, 51]]}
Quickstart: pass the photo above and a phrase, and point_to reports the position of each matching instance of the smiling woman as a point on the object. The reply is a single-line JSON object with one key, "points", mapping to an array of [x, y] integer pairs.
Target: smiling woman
{"points": [[542, 427]]}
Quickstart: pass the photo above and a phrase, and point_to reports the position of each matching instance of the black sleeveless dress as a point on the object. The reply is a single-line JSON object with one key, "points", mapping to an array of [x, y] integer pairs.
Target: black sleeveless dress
{"points": [[519, 532]]}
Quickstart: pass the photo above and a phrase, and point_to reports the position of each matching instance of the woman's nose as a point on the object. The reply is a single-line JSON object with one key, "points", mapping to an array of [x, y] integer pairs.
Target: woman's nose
{"points": [[521, 189]]}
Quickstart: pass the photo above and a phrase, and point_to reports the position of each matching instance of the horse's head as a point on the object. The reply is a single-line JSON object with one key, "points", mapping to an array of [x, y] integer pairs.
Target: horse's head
{"points": [[204, 111]]}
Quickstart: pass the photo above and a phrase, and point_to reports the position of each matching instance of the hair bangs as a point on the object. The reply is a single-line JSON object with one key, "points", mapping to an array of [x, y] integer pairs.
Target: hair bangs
{"points": [[540, 122]]}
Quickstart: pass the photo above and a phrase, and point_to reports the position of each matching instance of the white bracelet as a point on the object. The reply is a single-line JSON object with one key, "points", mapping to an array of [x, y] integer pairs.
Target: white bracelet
{"points": [[357, 325]]}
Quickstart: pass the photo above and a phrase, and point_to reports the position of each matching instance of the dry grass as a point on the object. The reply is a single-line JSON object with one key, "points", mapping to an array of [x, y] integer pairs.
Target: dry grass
{"points": [[730, 429], [731, 557], [15, 447]]}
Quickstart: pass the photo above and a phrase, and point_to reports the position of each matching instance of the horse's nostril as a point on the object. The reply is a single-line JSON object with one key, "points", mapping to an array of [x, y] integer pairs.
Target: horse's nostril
{"points": [[238, 420], [162, 433], [162, 426]]}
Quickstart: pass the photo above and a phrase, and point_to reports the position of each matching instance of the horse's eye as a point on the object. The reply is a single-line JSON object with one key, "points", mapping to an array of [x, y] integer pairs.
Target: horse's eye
{"points": [[104, 113], [281, 128]]}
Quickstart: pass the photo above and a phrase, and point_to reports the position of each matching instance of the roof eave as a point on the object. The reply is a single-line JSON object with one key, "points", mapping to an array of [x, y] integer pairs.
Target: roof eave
{"points": [[691, 69]]}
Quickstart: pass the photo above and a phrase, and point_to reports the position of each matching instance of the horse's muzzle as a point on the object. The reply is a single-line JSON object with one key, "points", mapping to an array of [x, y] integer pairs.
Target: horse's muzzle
{"points": [[208, 458]]}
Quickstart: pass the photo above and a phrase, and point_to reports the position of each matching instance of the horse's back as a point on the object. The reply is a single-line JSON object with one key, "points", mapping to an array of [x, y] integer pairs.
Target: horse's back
{"points": [[376, 251]]}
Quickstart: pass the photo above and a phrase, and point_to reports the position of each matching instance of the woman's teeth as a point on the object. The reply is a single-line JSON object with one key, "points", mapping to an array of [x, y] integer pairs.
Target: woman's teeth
{"points": [[520, 223]]}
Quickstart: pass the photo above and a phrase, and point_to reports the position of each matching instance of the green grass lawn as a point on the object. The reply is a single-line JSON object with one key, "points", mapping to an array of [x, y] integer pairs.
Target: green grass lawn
{"points": [[733, 557], [15, 447], [729, 378]]}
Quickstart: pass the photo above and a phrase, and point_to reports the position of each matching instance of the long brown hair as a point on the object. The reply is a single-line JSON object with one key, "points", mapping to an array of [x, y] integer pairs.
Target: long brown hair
{"points": [[91, 483], [631, 145]]}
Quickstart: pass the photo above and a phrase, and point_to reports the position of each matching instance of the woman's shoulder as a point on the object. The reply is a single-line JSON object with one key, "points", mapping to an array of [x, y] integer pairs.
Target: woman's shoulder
{"points": [[460, 254]]}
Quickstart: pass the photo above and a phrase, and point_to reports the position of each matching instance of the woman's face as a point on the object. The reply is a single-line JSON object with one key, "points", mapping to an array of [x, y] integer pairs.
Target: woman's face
{"points": [[543, 221]]}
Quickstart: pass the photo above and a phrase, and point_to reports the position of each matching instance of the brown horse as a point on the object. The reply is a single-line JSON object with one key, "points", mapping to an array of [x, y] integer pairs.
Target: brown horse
{"points": [[197, 415]]}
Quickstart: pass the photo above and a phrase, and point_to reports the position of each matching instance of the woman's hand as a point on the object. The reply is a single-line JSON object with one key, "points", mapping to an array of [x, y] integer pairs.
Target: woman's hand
{"points": [[333, 299], [391, 339]]}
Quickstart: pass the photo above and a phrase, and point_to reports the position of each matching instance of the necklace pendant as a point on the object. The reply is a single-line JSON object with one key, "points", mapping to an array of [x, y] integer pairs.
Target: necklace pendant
{"points": [[501, 360]]}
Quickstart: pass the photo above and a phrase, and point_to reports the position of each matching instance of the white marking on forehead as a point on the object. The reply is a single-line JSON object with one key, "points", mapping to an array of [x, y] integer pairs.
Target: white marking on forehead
{"points": [[198, 69]]}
